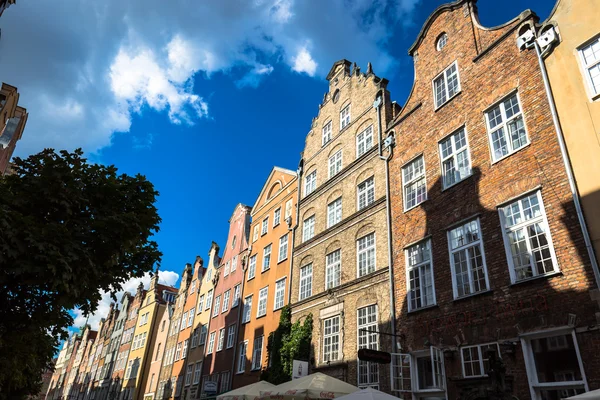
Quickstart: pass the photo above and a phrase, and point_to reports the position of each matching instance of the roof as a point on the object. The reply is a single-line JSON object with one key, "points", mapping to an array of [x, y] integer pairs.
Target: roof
{"points": [[335, 65], [265, 186]]}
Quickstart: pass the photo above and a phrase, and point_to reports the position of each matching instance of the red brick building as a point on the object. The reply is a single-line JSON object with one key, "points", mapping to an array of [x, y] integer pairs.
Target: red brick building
{"points": [[489, 260]]}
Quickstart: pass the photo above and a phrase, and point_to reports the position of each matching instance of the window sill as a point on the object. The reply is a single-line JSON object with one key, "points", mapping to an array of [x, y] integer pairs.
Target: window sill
{"points": [[276, 225], [261, 316], [262, 271], [280, 261], [240, 372], [488, 291], [538, 277], [416, 311], [510, 154], [278, 308], [595, 97], [435, 109], [456, 183], [415, 206], [249, 279], [255, 369]]}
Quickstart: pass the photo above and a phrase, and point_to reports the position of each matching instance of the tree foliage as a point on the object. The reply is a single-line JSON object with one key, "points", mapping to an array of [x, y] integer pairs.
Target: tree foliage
{"points": [[68, 229], [287, 343]]}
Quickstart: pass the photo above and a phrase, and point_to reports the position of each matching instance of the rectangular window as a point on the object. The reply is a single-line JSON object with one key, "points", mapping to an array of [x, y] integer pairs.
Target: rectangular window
{"points": [[279, 294], [366, 254], [333, 269], [345, 117], [230, 336], [305, 282], [255, 233], [221, 342], [475, 359], [211, 343], [469, 272], [195, 337], [265, 226], [283, 248], [178, 351], [236, 296], [364, 141], [201, 304], [413, 181], [217, 305], [197, 372], [266, 264], [549, 366], [247, 309], [191, 317], [257, 353], [446, 85], [454, 154], [308, 228], [335, 163], [310, 183], [430, 372], [326, 133], [366, 193], [224, 385], [226, 300], [590, 59], [527, 238], [203, 333], [288, 208], [184, 321], [252, 267], [226, 269], [209, 297], [234, 263], [368, 372], [277, 217], [262, 302], [184, 349], [331, 339], [419, 276], [506, 127], [334, 212], [241, 365]]}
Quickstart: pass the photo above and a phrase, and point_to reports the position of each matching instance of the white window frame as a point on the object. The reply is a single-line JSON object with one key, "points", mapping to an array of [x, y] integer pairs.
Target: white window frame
{"points": [[200, 304], [188, 375], [247, 311], [331, 336], [266, 261], [345, 117], [469, 267], [226, 269], [197, 372], [257, 353], [415, 180], [265, 226], [276, 217], [234, 263], [236, 295], [255, 233], [209, 298], [211, 342], [534, 385], [221, 341], [288, 208], [335, 163], [371, 326], [279, 300], [334, 212], [241, 360], [366, 250], [333, 269], [504, 126], [305, 282], [216, 308], [226, 297], [326, 134], [594, 93], [363, 139], [263, 296], [420, 266], [195, 337], [310, 183], [445, 77], [252, 267], [308, 228], [453, 157], [543, 221], [365, 193], [203, 334], [480, 355], [401, 373], [230, 335], [282, 252]]}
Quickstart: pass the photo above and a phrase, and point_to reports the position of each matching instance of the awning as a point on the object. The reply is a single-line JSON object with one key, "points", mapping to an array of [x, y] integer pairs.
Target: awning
{"points": [[313, 386], [368, 394], [248, 392], [591, 395]]}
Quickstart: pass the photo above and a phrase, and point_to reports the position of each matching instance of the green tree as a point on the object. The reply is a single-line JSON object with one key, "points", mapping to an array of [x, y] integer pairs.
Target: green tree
{"points": [[287, 343], [68, 229]]}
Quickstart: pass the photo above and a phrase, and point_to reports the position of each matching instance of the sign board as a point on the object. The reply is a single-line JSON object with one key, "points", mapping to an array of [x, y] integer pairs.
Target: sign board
{"points": [[210, 388], [299, 369], [379, 357]]}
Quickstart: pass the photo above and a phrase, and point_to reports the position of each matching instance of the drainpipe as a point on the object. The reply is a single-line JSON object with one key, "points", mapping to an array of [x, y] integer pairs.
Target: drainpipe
{"points": [[240, 312], [377, 105], [295, 228], [533, 42]]}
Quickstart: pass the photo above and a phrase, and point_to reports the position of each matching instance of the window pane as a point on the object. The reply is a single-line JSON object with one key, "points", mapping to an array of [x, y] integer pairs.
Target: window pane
{"points": [[555, 359]]}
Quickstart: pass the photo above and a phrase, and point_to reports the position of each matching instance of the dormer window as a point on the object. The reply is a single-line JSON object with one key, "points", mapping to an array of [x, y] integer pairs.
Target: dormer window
{"points": [[441, 42]]}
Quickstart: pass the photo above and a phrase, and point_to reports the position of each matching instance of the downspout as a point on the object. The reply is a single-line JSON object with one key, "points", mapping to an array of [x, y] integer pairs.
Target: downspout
{"points": [[295, 228], [240, 313], [377, 105], [563, 150]]}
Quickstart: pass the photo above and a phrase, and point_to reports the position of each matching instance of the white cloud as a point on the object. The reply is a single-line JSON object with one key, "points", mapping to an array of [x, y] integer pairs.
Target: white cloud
{"points": [[303, 62], [83, 72], [169, 278]]}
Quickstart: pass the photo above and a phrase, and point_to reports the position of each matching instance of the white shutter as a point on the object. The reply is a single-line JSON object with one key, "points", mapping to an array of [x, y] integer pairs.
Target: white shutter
{"points": [[400, 372]]}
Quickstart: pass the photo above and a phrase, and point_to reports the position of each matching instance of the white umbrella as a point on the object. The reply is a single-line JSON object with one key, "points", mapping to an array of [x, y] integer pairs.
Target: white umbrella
{"points": [[368, 394], [248, 392], [591, 395], [313, 386]]}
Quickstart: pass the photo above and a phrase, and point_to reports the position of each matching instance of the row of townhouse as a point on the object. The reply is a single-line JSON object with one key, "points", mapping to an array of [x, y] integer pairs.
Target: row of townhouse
{"points": [[458, 232]]}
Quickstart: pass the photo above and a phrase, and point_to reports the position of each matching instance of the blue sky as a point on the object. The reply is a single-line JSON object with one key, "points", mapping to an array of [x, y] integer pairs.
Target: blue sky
{"points": [[203, 98]]}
